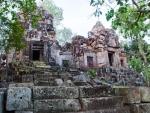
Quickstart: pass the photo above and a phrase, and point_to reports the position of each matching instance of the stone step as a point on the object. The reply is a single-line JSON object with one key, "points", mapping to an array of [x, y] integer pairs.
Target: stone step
{"points": [[58, 92], [56, 105], [116, 110], [49, 82], [76, 105], [98, 91], [101, 103], [119, 110], [45, 92], [43, 83]]}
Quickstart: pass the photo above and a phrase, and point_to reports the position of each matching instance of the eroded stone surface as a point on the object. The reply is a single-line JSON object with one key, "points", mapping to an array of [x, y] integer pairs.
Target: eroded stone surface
{"points": [[145, 94], [29, 85], [140, 108], [101, 103], [18, 98], [57, 105], [130, 94], [23, 111], [43, 92], [120, 110], [99, 91]]}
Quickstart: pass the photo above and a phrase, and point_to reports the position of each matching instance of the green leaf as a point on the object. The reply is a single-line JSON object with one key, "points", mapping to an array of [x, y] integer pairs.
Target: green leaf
{"points": [[110, 14]]}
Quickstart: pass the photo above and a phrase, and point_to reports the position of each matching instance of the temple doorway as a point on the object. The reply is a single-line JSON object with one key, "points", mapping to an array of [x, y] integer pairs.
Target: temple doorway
{"points": [[111, 58], [90, 61], [36, 55]]}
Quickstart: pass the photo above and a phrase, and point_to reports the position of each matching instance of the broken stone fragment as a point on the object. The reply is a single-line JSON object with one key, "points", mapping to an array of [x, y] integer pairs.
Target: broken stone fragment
{"points": [[45, 92], [57, 105], [18, 98]]}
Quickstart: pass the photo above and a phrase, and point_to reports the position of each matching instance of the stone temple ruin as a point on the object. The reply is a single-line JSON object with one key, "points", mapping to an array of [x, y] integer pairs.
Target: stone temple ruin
{"points": [[100, 49], [50, 88]]}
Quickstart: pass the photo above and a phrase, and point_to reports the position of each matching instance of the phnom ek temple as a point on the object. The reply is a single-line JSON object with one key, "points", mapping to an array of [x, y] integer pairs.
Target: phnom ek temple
{"points": [[88, 75], [100, 48]]}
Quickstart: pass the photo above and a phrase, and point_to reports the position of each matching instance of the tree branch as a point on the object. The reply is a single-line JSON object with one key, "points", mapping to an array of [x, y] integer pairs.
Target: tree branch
{"points": [[133, 1]]}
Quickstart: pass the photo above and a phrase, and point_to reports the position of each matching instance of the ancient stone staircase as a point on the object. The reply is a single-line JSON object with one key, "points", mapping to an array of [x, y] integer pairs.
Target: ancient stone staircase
{"points": [[49, 96], [56, 92], [56, 99]]}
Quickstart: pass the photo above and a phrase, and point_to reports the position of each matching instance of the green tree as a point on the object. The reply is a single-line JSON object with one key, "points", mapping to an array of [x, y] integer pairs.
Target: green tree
{"points": [[131, 18], [11, 30]]}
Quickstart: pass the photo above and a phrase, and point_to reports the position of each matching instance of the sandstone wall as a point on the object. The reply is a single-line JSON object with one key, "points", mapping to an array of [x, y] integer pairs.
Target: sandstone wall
{"points": [[83, 99]]}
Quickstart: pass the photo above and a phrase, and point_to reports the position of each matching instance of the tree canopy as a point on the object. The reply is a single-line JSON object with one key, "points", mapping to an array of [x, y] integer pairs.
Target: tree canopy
{"points": [[132, 19], [11, 28]]}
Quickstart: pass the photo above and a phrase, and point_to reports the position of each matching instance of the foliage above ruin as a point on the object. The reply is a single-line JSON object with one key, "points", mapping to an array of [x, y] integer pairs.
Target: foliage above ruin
{"points": [[10, 27]]}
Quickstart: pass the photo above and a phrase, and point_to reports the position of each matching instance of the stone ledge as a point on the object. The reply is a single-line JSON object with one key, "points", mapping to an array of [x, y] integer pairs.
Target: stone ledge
{"points": [[56, 105], [100, 91], [45, 92], [102, 103]]}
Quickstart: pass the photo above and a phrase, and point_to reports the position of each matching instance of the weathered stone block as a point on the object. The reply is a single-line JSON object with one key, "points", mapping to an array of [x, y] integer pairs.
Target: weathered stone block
{"points": [[18, 98], [87, 91], [119, 110], [140, 108], [56, 105], [29, 85], [23, 111], [130, 94], [27, 78], [45, 92], [102, 103], [3, 90], [145, 94], [1, 102]]}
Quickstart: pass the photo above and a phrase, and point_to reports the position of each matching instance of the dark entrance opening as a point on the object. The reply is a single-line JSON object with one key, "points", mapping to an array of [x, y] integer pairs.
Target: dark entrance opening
{"points": [[90, 61], [122, 63], [36, 55], [110, 57]]}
